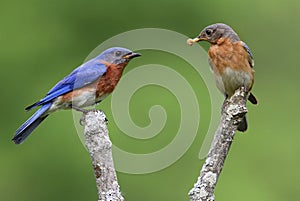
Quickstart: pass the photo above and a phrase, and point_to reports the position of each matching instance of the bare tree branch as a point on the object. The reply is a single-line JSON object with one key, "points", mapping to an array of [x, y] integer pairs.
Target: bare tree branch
{"points": [[233, 111], [100, 149]]}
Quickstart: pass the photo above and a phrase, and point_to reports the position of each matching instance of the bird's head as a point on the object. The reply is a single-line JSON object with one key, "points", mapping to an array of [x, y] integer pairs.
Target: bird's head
{"points": [[117, 55], [214, 32]]}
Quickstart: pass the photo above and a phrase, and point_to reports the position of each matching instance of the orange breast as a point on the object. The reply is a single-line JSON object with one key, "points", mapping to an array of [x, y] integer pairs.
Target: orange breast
{"points": [[227, 54], [229, 61], [102, 87], [107, 83]]}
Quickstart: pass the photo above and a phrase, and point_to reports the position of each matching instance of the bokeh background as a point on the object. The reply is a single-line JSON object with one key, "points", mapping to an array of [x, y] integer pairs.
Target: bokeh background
{"points": [[42, 41]]}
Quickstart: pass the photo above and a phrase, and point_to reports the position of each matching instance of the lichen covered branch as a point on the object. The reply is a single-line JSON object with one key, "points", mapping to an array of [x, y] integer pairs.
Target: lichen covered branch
{"points": [[233, 112], [100, 148]]}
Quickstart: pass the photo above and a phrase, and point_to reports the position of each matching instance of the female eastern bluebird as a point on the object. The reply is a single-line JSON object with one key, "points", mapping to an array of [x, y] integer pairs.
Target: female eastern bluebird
{"points": [[231, 61], [87, 85]]}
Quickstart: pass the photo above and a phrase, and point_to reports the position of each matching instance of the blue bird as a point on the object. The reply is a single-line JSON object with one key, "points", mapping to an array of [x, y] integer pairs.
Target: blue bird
{"points": [[87, 85]]}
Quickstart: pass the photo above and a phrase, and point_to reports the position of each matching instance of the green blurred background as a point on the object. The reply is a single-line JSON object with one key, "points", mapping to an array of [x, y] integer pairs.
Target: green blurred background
{"points": [[42, 41]]}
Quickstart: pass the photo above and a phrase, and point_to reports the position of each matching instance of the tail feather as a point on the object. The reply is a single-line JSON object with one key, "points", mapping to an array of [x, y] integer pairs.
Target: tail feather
{"points": [[252, 99], [32, 106], [26, 129], [243, 126]]}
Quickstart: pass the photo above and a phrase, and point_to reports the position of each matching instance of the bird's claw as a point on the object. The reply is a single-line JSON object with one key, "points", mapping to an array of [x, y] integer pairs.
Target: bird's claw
{"points": [[82, 120], [84, 111]]}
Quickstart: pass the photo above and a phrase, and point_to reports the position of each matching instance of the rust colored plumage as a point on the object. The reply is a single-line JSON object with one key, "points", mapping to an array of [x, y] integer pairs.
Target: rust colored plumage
{"points": [[108, 81], [101, 87], [226, 53]]}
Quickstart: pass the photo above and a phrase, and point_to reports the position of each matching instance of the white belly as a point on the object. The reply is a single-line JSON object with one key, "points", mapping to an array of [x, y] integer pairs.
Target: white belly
{"points": [[85, 99], [231, 80]]}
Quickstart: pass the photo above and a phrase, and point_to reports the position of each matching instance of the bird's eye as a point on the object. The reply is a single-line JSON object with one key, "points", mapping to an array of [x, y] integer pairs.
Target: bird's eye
{"points": [[208, 32], [118, 53]]}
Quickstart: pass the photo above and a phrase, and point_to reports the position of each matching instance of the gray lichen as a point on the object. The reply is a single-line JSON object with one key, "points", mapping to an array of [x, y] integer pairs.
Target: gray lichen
{"points": [[100, 148], [233, 111]]}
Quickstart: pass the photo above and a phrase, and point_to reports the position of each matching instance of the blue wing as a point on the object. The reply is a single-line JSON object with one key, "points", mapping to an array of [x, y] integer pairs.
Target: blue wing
{"points": [[80, 77], [250, 56]]}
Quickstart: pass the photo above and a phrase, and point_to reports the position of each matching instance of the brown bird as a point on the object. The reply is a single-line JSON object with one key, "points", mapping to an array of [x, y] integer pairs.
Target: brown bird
{"points": [[231, 61]]}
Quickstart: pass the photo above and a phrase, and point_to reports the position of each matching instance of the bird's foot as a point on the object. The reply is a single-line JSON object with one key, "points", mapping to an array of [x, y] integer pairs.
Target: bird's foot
{"points": [[82, 120], [85, 111]]}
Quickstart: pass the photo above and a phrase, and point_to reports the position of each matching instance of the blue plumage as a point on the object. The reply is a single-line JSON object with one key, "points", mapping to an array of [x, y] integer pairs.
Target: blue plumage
{"points": [[80, 77], [26, 128]]}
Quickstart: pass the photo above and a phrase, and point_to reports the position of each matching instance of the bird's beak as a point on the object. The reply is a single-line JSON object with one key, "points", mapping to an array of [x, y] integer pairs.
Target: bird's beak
{"points": [[202, 39], [199, 38], [195, 40], [131, 55]]}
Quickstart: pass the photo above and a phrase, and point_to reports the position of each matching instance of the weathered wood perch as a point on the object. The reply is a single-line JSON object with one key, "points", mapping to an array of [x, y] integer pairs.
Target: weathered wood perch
{"points": [[233, 111], [100, 148]]}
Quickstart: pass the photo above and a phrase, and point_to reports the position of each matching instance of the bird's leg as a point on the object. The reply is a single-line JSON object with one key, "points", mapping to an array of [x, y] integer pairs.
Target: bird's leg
{"points": [[84, 111], [79, 109], [96, 103]]}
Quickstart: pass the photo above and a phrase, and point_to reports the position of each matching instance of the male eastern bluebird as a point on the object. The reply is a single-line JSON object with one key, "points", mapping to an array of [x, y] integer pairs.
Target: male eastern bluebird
{"points": [[87, 85], [231, 61]]}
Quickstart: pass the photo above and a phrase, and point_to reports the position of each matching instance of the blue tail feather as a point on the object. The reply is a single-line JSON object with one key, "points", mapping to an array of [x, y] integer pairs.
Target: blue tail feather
{"points": [[24, 131]]}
